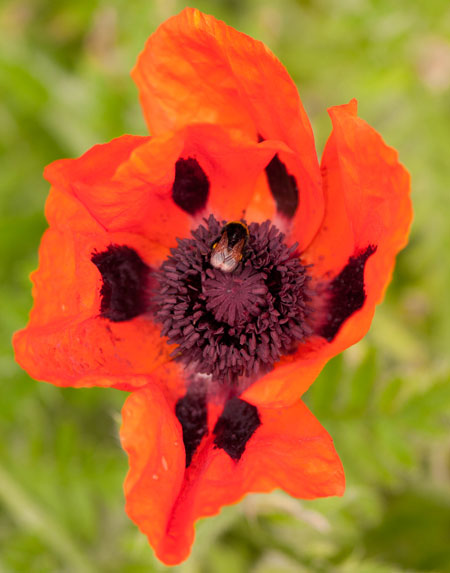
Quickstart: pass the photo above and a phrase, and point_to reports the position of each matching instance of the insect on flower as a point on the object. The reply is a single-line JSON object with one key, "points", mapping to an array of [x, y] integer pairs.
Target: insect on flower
{"points": [[227, 252], [148, 282]]}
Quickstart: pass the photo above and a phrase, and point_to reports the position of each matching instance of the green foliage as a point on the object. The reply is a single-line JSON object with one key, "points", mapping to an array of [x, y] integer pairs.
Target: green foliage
{"points": [[65, 86]]}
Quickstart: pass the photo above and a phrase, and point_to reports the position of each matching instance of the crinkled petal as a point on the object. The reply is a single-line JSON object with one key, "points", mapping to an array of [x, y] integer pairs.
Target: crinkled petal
{"points": [[231, 165], [138, 196], [367, 200], [67, 342], [106, 181], [196, 69], [367, 205], [289, 450], [153, 440]]}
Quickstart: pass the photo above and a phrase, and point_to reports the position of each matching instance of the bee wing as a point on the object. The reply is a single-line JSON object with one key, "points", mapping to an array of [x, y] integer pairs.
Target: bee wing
{"points": [[219, 251], [236, 251], [222, 245]]}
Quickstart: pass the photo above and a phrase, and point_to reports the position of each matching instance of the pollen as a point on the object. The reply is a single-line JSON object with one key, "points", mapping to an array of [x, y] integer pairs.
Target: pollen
{"points": [[235, 325]]}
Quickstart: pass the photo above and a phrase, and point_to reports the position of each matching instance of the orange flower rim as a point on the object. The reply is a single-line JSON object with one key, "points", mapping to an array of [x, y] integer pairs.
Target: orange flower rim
{"points": [[211, 269]]}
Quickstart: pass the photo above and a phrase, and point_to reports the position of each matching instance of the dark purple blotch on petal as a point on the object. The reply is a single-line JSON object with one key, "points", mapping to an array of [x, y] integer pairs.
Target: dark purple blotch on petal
{"points": [[347, 293], [192, 414], [235, 426], [190, 188], [283, 187], [124, 293]]}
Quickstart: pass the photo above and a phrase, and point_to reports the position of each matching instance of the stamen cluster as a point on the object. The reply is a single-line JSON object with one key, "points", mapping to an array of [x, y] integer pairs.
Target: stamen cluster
{"points": [[233, 325]]}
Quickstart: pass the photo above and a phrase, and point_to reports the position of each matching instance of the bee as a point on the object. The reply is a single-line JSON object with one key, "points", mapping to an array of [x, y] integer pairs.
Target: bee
{"points": [[227, 251]]}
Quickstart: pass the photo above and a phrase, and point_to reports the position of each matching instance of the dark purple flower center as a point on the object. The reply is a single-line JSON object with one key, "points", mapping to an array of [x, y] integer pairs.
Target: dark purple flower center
{"points": [[233, 298], [233, 325]]}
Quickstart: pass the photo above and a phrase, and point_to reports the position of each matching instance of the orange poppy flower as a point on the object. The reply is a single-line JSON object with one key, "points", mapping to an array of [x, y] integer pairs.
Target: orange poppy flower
{"points": [[212, 269]]}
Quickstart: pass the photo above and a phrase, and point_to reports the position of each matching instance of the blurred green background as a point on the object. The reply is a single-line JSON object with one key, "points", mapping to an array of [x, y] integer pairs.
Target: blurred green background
{"points": [[64, 86]]}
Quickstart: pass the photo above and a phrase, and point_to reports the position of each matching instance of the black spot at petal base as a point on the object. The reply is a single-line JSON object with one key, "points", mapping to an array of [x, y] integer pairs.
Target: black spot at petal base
{"points": [[191, 412], [190, 188], [125, 283], [347, 293], [236, 425], [283, 187]]}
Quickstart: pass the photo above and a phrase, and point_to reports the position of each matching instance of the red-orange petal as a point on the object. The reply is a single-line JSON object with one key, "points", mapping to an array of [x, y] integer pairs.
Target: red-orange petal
{"points": [[367, 203], [107, 181], [196, 69], [231, 164], [290, 450], [137, 196], [367, 200], [67, 342], [153, 440]]}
